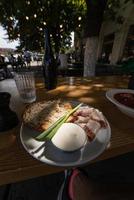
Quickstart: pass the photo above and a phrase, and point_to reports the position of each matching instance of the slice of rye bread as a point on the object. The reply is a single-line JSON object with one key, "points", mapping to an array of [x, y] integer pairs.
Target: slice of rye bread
{"points": [[41, 115]]}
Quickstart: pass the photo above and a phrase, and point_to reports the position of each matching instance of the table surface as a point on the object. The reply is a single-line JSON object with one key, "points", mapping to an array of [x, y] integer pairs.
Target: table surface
{"points": [[17, 165]]}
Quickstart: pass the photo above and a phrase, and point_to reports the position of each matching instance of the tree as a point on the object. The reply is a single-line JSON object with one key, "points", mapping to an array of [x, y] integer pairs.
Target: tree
{"points": [[26, 20], [95, 11]]}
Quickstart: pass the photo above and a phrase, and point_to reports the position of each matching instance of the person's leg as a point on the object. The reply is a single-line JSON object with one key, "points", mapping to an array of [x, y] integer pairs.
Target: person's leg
{"points": [[81, 188], [106, 180]]}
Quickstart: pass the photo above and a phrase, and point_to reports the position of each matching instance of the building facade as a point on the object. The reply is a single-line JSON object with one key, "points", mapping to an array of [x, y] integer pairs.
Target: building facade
{"points": [[116, 40]]}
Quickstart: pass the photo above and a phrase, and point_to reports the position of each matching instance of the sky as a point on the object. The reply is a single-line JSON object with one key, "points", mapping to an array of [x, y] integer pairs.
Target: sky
{"points": [[4, 43]]}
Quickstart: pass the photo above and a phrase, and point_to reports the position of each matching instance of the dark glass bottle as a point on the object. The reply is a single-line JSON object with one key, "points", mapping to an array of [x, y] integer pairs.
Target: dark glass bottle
{"points": [[49, 65]]}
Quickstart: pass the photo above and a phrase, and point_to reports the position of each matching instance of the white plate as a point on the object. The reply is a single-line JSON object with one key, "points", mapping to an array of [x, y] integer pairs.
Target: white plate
{"points": [[125, 109], [47, 153]]}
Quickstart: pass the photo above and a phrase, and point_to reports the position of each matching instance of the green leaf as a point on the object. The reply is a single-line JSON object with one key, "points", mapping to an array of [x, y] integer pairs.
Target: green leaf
{"points": [[45, 133], [50, 132]]}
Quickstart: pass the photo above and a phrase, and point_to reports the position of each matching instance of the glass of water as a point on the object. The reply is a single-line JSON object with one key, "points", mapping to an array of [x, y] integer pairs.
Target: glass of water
{"points": [[25, 83]]}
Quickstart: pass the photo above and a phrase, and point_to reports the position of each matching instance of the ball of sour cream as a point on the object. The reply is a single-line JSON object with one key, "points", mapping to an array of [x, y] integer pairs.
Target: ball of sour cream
{"points": [[69, 137]]}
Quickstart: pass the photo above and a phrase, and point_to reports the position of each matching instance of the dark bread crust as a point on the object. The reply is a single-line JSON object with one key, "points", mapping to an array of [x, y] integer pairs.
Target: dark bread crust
{"points": [[41, 115]]}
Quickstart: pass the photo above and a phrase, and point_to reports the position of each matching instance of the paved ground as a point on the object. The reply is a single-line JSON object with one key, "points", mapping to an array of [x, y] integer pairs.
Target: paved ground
{"points": [[101, 70]]}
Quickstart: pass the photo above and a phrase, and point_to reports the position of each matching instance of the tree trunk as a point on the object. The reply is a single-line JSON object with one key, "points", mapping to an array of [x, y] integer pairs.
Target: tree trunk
{"points": [[90, 56], [95, 10]]}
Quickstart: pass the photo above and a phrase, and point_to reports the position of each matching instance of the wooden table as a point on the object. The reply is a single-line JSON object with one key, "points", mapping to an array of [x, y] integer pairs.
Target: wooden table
{"points": [[16, 164]]}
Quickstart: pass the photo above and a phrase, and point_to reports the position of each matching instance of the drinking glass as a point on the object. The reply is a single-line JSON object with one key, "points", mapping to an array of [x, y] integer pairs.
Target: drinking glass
{"points": [[25, 83]]}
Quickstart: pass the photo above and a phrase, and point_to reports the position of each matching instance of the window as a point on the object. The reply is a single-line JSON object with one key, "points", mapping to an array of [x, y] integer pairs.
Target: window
{"points": [[107, 48]]}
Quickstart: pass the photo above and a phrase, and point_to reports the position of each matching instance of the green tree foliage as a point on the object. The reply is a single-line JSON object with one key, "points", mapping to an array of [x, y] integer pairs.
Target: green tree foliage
{"points": [[112, 9], [100, 10], [26, 20]]}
